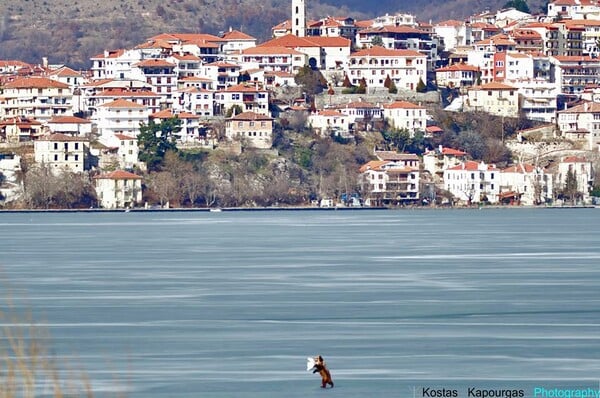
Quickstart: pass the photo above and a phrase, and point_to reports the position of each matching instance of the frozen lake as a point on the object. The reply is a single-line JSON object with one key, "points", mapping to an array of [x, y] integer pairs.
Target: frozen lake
{"points": [[230, 304]]}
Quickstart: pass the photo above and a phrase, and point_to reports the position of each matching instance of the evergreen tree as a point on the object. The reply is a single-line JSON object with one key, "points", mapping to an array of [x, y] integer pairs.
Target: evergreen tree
{"points": [[421, 87], [362, 86], [570, 190], [377, 41], [387, 82], [392, 89], [520, 5], [156, 139]]}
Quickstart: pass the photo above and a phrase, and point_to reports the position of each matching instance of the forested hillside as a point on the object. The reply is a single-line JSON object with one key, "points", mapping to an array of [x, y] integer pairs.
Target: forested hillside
{"points": [[72, 31]]}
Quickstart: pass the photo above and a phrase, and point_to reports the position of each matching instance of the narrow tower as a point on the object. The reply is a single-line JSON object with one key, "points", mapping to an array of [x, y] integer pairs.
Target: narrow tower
{"points": [[299, 18]]}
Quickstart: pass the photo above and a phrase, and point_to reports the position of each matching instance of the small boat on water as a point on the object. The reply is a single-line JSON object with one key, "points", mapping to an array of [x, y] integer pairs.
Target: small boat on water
{"points": [[215, 210]]}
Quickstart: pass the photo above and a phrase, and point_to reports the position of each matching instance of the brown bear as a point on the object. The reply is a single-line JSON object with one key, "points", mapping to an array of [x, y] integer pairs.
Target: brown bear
{"points": [[323, 371]]}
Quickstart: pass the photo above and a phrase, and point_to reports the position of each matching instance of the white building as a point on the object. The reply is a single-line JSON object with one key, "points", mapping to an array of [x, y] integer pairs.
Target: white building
{"points": [[581, 121], [194, 100], [583, 172], [406, 115], [120, 117], [70, 125], [246, 96], [118, 189], [473, 182], [453, 34], [457, 75], [190, 124], [271, 58], [390, 182], [126, 147], [254, 130], [234, 40], [404, 67], [327, 121], [36, 97], [494, 98], [437, 160], [60, 152], [537, 100], [526, 184]]}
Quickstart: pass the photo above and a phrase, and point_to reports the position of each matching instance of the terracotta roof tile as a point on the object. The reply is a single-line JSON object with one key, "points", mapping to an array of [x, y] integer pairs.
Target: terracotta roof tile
{"points": [[377, 51], [35, 82], [118, 175], [122, 103]]}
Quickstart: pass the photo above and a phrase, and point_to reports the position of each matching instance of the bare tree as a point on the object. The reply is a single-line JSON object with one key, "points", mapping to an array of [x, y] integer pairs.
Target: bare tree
{"points": [[163, 185]]}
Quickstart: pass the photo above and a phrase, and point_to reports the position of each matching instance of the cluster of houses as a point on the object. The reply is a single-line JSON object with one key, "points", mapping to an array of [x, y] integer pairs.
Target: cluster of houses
{"points": [[507, 63]]}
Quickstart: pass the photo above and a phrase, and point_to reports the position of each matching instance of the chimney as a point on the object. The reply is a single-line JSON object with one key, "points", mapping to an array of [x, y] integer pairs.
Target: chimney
{"points": [[45, 62]]}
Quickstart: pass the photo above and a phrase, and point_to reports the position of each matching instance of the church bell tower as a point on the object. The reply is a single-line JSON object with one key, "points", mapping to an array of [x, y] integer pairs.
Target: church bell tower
{"points": [[299, 18]]}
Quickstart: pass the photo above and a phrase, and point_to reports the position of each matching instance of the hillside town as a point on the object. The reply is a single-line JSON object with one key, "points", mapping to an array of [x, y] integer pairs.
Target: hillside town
{"points": [[230, 93]]}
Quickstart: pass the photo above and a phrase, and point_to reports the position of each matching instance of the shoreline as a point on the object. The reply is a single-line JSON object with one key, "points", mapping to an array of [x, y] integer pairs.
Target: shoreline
{"points": [[287, 208]]}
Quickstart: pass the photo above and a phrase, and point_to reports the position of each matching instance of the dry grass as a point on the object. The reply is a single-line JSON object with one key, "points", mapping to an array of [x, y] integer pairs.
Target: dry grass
{"points": [[27, 369]]}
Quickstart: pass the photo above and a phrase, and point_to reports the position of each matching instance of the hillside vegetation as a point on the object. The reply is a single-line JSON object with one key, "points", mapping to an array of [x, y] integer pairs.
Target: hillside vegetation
{"points": [[70, 32]]}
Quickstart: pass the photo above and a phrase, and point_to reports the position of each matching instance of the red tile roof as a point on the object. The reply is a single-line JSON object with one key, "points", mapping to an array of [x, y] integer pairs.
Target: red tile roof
{"points": [[375, 165], [574, 159], [268, 50], [155, 62], [403, 105], [69, 120], [494, 86], [377, 51], [122, 103], [168, 113], [471, 165], [458, 67], [520, 168], [250, 116], [237, 35], [35, 82], [292, 41], [118, 175], [242, 88], [124, 137], [61, 137]]}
